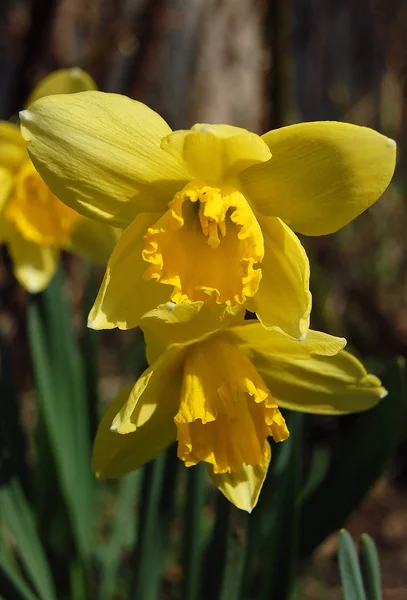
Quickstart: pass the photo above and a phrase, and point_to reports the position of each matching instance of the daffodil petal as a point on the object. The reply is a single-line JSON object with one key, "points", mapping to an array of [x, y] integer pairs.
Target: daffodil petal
{"points": [[157, 389], [283, 298], [185, 323], [114, 454], [216, 152], [330, 385], [124, 295], [6, 186], [261, 344], [242, 488], [93, 240], [12, 146], [100, 154], [62, 81], [321, 176], [154, 347], [33, 265], [179, 323]]}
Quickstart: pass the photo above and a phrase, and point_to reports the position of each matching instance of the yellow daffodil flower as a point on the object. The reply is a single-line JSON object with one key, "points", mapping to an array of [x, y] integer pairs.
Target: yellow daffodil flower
{"points": [[219, 395], [210, 212], [34, 224]]}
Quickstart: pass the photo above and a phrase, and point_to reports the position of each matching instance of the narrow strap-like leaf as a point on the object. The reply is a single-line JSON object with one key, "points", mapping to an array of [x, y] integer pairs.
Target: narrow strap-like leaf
{"points": [[370, 566], [280, 550], [61, 394], [12, 585], [18, 518], [123, 534], [351, 576], [214, 561], [156, 509], [196, 478], [232, 585]]}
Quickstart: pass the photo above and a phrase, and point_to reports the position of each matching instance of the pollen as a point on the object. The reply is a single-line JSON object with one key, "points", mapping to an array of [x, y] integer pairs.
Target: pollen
{"points": [[208, 246]]}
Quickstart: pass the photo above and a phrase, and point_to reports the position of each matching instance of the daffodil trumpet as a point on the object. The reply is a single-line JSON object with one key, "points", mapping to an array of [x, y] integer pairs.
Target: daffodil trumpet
{"points": [[219, 394], [210, 212], [34, 223]]}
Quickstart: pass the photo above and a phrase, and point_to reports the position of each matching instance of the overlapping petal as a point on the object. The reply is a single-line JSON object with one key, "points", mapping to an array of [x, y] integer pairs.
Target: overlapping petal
{"points": [[33, 265], [283, 298], [242, 488], [216, 153], [6, 186], [100, 154], [261, 344], [139, 423], [321, 176], [124, 295], [12, 146], [93, 240], [182, 323], [151, 392], [62, 81], [320, 384], [114, 454]]}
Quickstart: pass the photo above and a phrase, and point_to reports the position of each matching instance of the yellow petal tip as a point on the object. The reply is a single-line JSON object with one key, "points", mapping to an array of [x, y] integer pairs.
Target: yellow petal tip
{"points": [[113, 428], [25, 117], [384, 394], [302, 337], [391, 143]]}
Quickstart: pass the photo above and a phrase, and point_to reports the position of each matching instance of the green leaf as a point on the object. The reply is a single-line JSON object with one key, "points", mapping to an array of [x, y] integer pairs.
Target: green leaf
{"points": [[214, 565], [11, 582], [280, 549], [351, 577], [123, 534], [61, 393], [226, 552], [17, 515], [232, 584], [370, 442], [192, 552], [157, 502], [370, 566], [318, 470]]}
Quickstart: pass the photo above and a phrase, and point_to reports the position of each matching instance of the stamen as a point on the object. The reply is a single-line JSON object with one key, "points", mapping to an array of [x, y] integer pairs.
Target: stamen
{"points": [[203, 220], [212, 213], [213, 240]]}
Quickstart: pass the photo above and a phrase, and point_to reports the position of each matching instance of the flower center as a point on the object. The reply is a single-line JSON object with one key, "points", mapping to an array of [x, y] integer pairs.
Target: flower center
{"points": [[206, 245], [226, 411], [37, 214]]}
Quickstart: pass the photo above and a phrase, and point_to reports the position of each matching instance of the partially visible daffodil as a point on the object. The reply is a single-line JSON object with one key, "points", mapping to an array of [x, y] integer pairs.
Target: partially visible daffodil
{"points": [[219, 395], [211, 212], [34, 224]]}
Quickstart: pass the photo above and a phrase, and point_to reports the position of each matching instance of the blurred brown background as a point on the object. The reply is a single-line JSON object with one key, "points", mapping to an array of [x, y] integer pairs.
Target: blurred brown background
{"points": [[258, 64]]}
